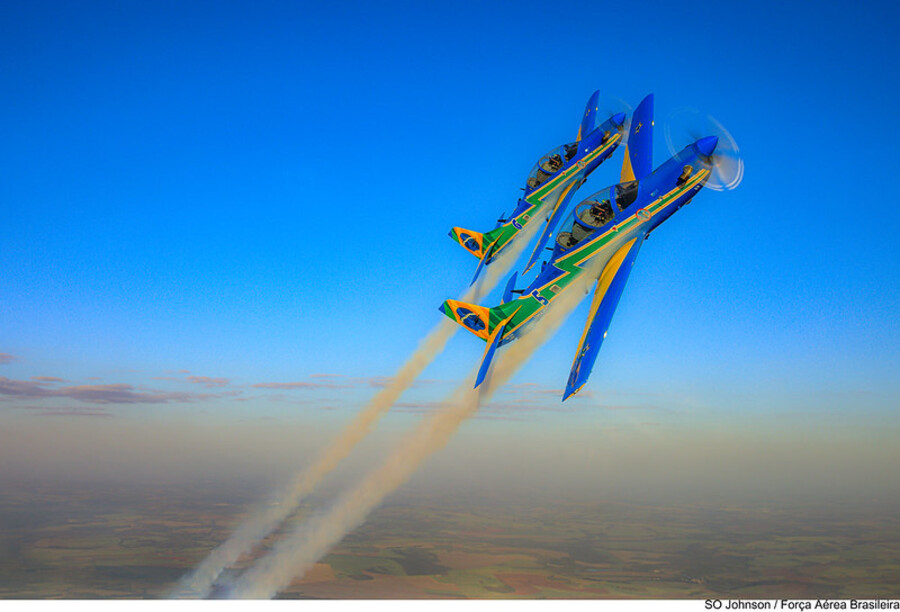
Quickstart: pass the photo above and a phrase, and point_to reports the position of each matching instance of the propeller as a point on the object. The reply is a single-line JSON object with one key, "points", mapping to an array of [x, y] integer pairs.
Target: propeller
{"points": [[687, 125]]}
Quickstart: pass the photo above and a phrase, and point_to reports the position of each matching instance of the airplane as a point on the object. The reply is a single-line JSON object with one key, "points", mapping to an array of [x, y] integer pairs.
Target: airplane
{"points": [[603, 232], [549, 186]]}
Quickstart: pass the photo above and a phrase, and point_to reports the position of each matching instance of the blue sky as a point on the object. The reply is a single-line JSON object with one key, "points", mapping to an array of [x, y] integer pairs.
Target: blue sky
{"points": [[261, 192]]}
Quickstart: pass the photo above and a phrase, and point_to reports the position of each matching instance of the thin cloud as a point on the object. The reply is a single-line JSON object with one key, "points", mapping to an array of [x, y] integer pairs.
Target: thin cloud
{"points": [[529, 390], [38, 410], [6, 358], [521, 387], [208, 382], [73, 412], [376, 381], [24, 388], [96, 394], [631, 407], [125, 394], [48, 379], [513, 410], [298, 385]]}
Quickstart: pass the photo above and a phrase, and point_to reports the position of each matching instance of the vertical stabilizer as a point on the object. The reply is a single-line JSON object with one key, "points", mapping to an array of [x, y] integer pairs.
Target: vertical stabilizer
{"points": [[589, 119], [639, 150]]}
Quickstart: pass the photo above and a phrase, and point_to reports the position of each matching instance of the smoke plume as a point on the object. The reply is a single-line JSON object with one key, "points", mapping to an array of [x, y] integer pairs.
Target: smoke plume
{"points": [[267, 519], [307, 543]]}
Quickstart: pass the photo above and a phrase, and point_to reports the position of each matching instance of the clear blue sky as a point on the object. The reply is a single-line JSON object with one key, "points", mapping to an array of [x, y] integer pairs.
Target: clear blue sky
{"points": [[261, 191]]}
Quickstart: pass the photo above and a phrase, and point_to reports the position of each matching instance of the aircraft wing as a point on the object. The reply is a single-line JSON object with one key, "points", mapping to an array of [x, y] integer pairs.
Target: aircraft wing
{"points": [[606, 297]]}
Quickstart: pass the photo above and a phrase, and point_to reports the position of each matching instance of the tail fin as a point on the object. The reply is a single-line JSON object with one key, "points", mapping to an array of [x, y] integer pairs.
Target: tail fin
{"points": [[471, 241], [486, 323], [639, 150], [589, 119], [479, 320]]}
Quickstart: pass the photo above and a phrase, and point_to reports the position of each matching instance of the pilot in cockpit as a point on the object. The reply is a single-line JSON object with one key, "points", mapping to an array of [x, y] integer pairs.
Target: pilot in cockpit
{"points": [[599, 213], [546, 167], [685, 175], [551, 164], [605, 138], [566, 240]]}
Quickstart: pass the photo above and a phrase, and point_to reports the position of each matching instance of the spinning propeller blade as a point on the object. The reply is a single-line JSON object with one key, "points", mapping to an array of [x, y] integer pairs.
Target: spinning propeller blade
{"points": [[688, 125]]}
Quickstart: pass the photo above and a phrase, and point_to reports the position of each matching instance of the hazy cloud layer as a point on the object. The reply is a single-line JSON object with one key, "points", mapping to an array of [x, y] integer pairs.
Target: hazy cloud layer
{"points": [[298, 385], [95, 394], [208, 382], [6, 358], [69, 412]]}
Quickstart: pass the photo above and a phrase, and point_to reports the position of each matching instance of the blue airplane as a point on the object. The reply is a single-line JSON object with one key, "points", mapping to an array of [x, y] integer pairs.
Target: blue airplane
{"points": [[603, 233], [551, 184]]}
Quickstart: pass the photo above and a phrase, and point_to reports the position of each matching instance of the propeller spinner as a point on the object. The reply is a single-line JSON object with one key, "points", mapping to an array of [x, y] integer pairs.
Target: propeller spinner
{"points": [[690, 125]]}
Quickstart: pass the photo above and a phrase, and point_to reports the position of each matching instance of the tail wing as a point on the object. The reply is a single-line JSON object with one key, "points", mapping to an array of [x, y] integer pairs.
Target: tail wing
{"points": [[470, 240], [639, 150], [479, 320], [486, 323], [589, 119]]}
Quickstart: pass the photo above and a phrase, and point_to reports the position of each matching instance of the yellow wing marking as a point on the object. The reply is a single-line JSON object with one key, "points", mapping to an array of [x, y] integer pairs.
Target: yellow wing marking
{"points": [[603, 283]]}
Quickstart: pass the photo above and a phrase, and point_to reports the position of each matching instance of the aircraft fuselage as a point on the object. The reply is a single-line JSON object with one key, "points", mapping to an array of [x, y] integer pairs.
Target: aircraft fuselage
{"points": [[659, 195]]}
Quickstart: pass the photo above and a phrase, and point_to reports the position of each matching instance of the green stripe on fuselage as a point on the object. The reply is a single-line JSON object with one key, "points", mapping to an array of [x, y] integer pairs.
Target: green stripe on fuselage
{"points": [[502, 235]]}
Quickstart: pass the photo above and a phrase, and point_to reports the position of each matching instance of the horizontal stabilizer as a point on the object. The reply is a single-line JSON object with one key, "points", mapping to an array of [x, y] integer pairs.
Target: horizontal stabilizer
{"points": [[510, 287], [486, 323], [481, 264], [492, 344]]}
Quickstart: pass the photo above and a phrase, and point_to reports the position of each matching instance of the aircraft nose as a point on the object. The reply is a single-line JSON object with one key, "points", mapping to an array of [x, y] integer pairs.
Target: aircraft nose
{"points": [[618, 118], [707, 145]]}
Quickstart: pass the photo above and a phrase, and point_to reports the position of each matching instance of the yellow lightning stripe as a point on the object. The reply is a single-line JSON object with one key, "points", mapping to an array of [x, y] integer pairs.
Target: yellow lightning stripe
{"points": [[550, 187], [553, 184]]}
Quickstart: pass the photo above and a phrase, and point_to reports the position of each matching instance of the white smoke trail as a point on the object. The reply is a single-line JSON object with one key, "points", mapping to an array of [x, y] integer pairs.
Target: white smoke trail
{"points": [[267, 519], [307, 543]]}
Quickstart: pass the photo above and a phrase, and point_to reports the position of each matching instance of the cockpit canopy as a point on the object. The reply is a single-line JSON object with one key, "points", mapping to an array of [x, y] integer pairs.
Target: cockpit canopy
{"points": [[550, 164], [595, 212], [589, 216]]}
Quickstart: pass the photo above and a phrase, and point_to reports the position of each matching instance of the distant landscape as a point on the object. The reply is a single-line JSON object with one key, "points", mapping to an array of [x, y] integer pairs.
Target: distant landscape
{"points": [[113, 541]]}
